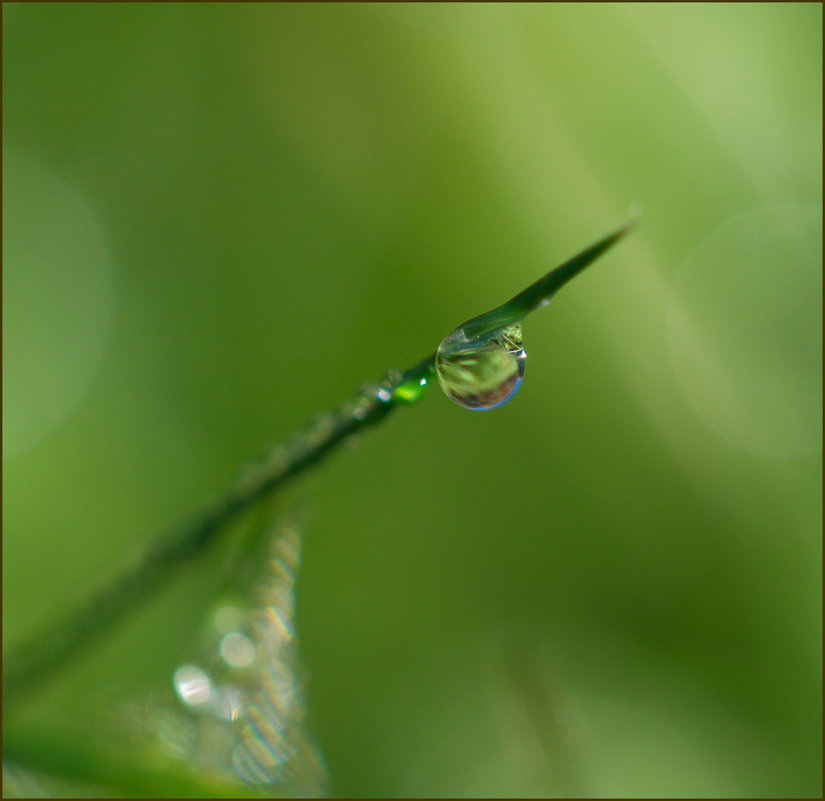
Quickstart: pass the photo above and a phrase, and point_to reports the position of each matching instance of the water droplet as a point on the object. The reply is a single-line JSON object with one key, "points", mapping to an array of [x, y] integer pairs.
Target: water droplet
{"points": [[229, 703], [412, 390], [193, 686], [228, 617], [483, 371], [237, 650], [481, 363]]}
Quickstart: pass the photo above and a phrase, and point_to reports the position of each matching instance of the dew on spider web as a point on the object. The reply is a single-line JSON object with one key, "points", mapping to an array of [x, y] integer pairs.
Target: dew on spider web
{"points": [[238, 710]]}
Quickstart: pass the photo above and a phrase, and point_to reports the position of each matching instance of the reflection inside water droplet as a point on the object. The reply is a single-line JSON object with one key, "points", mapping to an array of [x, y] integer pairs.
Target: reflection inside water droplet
{"points": [[484, 371]]}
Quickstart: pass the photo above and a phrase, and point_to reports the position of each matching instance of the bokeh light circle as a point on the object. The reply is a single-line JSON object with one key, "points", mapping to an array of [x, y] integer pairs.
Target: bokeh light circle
{"points": [[58, 295]]}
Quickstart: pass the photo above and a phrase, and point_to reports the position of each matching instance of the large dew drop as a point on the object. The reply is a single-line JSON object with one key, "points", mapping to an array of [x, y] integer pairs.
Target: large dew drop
{"points": [[481, 372], [481, 363]]}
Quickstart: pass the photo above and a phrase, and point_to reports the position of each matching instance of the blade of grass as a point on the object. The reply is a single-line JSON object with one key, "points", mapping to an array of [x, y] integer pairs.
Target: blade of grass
{"points": [[72, 759], [55, 647]]}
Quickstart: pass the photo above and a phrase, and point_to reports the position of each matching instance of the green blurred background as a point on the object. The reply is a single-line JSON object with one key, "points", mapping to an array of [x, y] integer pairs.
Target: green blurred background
{"points": [[222, 218]]}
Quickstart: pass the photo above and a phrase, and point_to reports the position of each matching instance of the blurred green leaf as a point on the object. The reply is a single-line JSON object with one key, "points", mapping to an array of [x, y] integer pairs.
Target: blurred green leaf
{"points": [[655, 541]]}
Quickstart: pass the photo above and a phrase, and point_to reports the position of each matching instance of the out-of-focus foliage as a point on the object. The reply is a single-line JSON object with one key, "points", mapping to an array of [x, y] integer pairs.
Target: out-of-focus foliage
{"points": [[221, 218]]}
